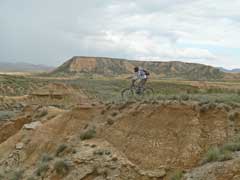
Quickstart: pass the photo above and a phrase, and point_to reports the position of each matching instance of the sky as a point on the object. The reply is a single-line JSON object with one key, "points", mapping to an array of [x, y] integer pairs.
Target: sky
{"points": [[52, 31]]}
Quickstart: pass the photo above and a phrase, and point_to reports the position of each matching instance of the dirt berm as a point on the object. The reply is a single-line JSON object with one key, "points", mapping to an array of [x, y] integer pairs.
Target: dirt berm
{"points": [[135, 140]]}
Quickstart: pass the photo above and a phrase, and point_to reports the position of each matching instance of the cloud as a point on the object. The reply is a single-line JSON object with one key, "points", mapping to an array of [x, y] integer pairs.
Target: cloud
{"points": [[51, 31]]}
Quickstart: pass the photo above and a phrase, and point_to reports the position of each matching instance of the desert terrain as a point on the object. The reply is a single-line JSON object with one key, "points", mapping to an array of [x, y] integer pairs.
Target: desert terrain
{"points": [[72, 123]]}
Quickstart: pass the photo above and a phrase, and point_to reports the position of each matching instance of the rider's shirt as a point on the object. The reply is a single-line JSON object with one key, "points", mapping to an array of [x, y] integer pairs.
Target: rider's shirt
{"points": [[140, 74]]}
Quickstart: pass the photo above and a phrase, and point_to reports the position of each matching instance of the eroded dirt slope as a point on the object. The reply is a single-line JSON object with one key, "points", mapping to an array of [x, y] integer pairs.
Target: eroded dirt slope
{"points": [[132, 140], [171, 135]]}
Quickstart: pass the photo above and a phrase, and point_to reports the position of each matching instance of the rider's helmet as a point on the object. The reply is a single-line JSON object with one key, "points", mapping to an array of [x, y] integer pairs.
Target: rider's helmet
{"points": [[136, 69]]}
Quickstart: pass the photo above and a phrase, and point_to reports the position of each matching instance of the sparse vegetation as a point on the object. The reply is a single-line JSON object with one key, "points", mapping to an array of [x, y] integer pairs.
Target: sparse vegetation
{"points": [[108, 90], [60, 149], [15, 175], [213, 154], [233, 146], [225, 155], [224, 106], [110, 121], [177, 175], [204, 108], [42, 113], [17, 85], [218, 154], [46, 158], [31, 178], [102, 152], [42, 169], [185, 97], [232, 115], [224, 152], [88, 134], [61, 167], [114, 114]]}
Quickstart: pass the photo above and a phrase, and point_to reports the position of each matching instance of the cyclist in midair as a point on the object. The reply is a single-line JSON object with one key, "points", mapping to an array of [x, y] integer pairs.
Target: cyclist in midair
{"points": [[140, 75]]}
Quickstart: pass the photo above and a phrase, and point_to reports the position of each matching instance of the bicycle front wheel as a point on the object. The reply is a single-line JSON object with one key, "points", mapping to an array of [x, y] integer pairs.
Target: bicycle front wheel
{"points": [[148, 93], [127, 94]]}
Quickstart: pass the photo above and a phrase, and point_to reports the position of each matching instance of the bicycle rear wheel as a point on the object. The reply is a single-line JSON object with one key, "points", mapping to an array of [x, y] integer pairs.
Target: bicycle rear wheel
{"points": [[127, 94]]}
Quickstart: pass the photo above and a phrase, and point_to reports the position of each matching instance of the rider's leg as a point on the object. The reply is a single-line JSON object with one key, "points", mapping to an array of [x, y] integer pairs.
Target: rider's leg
{"points": [[133, 82], [138, 86], [142, 84]]}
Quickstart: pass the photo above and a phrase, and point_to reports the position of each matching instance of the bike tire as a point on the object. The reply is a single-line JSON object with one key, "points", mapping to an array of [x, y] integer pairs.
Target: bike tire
{"points": [[127, 94], [148, 93]]}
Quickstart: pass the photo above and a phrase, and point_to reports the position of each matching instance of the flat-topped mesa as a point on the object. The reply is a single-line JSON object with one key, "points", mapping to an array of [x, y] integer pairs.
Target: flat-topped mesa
{"points": [[78, 64], [115, 67], [95, 65]]}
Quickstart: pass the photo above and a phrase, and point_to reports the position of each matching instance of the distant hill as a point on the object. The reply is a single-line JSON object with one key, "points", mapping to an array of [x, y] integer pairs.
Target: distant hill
{"points": [[23, 67], [115, 67], [229, 70]]}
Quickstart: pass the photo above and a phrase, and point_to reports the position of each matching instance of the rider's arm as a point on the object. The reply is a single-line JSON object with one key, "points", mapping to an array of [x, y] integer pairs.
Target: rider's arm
{"points": [[135, 78]]}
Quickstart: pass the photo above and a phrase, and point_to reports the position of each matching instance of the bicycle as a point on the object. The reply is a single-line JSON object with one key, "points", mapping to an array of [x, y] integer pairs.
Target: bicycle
{"points": [[137, 92]]}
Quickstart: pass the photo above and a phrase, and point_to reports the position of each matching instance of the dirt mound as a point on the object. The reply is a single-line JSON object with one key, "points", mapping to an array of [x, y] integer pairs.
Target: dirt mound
{"points": [[58, 94], [171, 135], [53, 90], [54, 130], [12, 125], [129, 141]]}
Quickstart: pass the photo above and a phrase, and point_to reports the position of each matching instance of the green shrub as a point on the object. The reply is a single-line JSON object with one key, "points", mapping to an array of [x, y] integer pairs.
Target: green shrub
{"points": [[46, 158], [61, 167], [185, 97], [42, 113], [232, 115], [178, 175], [236, 138], [203, 101], [60, 149], [88, 134], [114, 114], [16, 175], [224, 106], [42, 169], [110, 121], [212, 155], [225, 155], [1, 176], [174, 98], [233, 146], [31, 178], [102, 152], [204, 108]]}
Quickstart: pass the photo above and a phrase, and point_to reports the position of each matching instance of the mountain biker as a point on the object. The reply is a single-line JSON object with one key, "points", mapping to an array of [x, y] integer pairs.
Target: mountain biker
{"points": [[140, 75]]}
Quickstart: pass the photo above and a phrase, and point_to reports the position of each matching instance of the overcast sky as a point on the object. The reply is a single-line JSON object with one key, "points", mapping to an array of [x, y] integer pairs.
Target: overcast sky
{"points": [[52, 31]]}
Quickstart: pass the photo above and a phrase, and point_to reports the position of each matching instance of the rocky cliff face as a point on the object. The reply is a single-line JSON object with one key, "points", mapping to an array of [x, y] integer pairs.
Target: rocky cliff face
{"points": [[116, 67]]}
